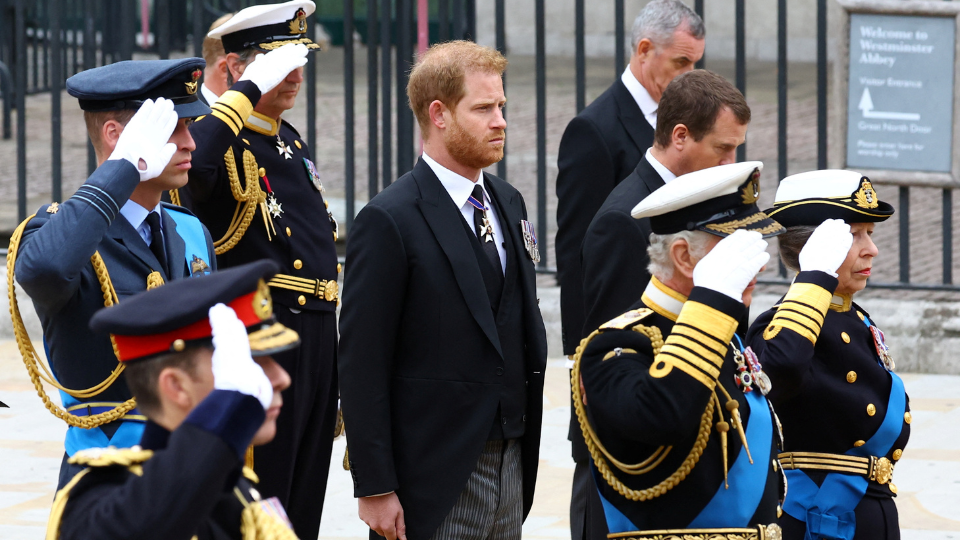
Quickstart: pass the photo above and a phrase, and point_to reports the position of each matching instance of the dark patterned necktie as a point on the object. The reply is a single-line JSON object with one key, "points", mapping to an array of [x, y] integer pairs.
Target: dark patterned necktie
{"points": [[156, 239], [482, 225]]}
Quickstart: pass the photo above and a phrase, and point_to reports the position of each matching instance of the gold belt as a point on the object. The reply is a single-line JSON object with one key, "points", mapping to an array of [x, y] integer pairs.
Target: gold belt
{"points": [[759, 532], [875, 469], [324, 289]]}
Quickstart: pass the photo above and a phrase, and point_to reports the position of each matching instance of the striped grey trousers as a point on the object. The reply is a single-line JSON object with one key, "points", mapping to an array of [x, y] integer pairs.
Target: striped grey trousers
{"points": [[490, 507]]}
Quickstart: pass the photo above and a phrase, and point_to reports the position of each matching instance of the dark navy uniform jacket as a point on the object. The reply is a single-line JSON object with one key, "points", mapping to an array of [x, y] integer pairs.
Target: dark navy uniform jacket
{"points": [[191, 486], [822, 360], [651, 378], [302, 238], [53, 266]]}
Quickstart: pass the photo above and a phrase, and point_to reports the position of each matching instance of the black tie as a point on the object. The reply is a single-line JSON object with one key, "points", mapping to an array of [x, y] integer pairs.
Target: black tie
{"points": [[484, 230], [156, 239]]}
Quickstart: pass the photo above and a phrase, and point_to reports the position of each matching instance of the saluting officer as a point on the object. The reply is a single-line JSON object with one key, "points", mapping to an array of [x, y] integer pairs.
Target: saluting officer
{"points": [[681, 437], [846, 417], [263, 199], [187, 349], [113, 238]]}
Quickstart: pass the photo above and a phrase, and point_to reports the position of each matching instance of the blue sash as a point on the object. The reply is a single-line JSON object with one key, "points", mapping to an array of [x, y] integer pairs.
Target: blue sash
{"points": [[191, 231], [828, 510], [735, 506]]}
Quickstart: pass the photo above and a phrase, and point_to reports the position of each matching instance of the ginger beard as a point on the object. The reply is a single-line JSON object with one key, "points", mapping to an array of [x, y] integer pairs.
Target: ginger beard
{"points": [[471, 151]]}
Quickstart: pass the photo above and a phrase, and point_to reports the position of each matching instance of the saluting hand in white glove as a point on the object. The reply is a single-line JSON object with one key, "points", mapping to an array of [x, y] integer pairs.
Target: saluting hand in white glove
{"points": [[144, 141], [233, 365], [268, 70], [827, 247], [732, 264]]}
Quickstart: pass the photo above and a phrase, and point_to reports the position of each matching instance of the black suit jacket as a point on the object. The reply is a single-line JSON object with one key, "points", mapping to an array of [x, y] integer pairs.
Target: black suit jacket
{"points": [[417, 332], [599, 148], [614, 253]]}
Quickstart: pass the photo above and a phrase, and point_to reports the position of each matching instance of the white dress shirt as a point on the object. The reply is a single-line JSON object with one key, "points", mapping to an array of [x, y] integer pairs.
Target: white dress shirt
{"points": [[646, 103], [664, 172], [137, 216], [208, 94], [460, 189]]}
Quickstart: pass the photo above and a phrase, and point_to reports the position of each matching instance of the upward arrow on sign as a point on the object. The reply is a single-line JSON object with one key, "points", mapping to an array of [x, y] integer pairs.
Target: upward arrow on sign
{"points": [[866, 107]]}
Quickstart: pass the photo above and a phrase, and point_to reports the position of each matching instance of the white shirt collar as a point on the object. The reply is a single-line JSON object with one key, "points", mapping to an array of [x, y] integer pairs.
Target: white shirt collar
{"points": [[663, 299], [664, 172], [646, 103], [208, 94], [137, 216], [459, 187]]}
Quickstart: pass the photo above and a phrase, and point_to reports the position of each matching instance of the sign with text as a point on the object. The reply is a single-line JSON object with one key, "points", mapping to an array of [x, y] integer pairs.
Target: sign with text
{"points": [[900, 92]]}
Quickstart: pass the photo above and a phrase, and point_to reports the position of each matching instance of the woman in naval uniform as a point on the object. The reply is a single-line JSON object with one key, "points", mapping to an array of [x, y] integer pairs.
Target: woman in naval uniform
{"points": [[844, 413]]}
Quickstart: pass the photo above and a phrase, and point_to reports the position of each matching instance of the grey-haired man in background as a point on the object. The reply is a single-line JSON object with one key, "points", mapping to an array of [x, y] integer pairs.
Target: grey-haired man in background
{"points": [[599, 148]]}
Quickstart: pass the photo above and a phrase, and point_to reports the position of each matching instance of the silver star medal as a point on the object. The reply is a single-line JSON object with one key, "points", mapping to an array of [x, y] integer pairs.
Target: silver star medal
{"points": [[274, 206], [487, 229], [284, 149]]}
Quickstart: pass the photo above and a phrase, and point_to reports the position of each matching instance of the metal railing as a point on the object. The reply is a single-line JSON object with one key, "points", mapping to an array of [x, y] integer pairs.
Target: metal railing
{"points": [[45, 41]]}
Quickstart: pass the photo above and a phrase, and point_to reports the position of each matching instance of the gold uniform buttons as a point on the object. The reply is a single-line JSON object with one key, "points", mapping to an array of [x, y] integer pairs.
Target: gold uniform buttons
{"points": [[893, 487], [296, 142], [845, 337], [871, 410], [897, 454], [851, 377], [298, 264], [774, 465], [339, 268], [179, 345], [860, 315], [326, 204], [301, 300], [246, 141], [262, 172], [857, 444], [289, 232], [907, 417], [779, 511]]}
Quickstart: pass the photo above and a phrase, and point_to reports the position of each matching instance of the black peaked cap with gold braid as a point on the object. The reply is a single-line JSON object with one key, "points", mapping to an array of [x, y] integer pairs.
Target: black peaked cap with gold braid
{"points": [[813, 197], [174, 316], [718, 200]]}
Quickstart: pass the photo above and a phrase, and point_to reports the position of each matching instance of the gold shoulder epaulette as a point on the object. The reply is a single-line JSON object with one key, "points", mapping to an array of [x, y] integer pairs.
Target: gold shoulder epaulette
{"points": [[110, 456], [627, 319]]}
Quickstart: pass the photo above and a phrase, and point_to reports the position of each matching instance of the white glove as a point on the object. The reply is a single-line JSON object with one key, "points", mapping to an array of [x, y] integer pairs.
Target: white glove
{"points": [[233, 366], [827, 247], [268, 70], [146, 138], [732, 264]]}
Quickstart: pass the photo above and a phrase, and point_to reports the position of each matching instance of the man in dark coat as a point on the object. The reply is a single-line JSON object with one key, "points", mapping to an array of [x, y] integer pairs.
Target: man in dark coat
{"points": [[703, 119], [263, 198], [599, 148], [443, 348], [114, 238]]}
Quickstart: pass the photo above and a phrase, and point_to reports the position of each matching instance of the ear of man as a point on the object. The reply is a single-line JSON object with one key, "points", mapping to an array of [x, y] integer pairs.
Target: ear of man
{"points": [[679, 136], [234, 67], [682, 258], [645, 48], [175, 388]]}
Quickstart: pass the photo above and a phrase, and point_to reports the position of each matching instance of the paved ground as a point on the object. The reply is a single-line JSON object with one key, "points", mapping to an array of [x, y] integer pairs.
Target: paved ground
{"points": [[928, 476]]}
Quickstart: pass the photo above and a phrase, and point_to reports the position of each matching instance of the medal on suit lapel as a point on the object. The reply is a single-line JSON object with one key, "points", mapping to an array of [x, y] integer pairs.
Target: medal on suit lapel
{"points": [[314, 175], [883, 352], [269, 207], [283, 148], [486, 228], [530, 240]]}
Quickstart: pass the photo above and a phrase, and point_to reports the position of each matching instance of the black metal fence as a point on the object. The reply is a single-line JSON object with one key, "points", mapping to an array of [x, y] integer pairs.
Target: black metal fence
{"points": [[45, 41]]}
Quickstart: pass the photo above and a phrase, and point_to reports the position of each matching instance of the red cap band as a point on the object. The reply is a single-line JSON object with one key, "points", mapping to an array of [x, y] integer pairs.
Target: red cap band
{"points": [[134, 347]]}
